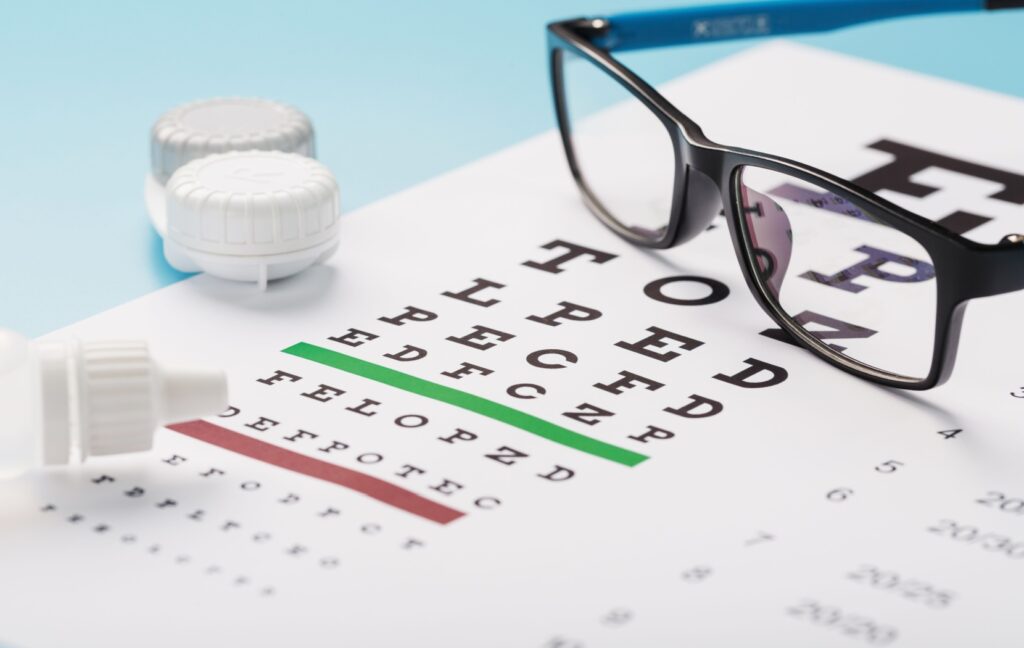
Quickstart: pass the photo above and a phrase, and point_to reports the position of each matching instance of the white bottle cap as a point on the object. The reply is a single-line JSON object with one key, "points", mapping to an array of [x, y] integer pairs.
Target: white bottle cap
{"points": [[199, 128], [108, 397], [251, 215]]}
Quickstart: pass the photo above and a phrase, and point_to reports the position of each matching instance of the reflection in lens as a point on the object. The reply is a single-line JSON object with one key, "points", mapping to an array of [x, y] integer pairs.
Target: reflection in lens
{"points": [[623, 150], [772, 238], [865, 289]]}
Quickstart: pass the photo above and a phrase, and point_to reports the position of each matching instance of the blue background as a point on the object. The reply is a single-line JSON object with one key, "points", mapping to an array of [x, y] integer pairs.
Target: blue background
{"points": [[399, 91]]}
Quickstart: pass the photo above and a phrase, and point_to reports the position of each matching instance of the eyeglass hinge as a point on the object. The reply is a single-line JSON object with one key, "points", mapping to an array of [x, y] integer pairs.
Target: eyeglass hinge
{"points": [[590, 27]]}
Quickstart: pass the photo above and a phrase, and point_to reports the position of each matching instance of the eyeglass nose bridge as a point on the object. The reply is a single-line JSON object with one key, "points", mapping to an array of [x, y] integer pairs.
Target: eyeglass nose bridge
{"points": [[701, 203]]}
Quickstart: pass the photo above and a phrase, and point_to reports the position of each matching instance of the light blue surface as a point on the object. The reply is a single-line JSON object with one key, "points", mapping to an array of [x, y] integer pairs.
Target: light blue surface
{"points": [[398, 91]]}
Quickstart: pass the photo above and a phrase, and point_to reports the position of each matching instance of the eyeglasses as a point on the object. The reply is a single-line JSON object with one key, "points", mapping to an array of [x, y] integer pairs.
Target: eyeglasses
{"points": [[826, 259]]}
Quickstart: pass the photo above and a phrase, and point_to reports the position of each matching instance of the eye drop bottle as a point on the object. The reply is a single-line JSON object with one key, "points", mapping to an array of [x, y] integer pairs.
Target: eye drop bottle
{"points": [[64, 401]]}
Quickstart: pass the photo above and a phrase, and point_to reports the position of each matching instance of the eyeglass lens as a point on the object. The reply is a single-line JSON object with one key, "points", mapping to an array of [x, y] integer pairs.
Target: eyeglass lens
{"points": [[623, 151], [862, 287]]}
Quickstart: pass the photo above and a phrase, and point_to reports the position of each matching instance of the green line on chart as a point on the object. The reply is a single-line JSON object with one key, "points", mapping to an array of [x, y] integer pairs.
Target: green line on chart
{"points": [[482, 406]]}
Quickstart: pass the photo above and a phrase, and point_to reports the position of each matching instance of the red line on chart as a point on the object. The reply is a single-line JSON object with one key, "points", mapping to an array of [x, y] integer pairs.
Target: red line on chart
{"points": [[378, 489]]}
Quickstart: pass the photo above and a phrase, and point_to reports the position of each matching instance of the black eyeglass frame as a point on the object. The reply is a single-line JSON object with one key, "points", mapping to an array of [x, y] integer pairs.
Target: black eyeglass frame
{"points": [[707, 176]]}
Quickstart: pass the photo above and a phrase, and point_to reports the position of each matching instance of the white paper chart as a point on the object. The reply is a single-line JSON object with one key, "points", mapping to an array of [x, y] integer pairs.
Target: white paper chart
{"points": [[491, 422]]}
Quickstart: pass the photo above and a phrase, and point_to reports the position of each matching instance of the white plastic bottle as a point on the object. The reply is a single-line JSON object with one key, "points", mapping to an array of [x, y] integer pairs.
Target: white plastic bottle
{"points": [[67, 400]]}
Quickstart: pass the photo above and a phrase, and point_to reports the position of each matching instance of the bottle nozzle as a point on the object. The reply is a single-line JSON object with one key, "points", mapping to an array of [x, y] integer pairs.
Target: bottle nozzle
{"points": [[187, 393]]}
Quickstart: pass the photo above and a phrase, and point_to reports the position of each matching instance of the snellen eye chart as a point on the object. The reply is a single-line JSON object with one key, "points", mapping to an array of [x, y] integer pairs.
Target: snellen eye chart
{"points": [[488, 421]]}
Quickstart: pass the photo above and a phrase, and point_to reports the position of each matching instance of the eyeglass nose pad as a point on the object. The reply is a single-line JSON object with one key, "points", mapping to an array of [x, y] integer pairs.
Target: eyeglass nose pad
{"points": [[702, 202], [771, 235]]}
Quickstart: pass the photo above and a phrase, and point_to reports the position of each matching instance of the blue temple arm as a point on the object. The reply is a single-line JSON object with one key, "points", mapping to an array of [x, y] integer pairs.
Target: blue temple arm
{"points": [[644, 29]]}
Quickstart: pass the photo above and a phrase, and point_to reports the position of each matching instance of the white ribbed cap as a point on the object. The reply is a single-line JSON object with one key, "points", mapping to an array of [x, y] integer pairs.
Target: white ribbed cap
{"points": [[200, 128], [123, 395], [252, 203], [117, 397]]}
